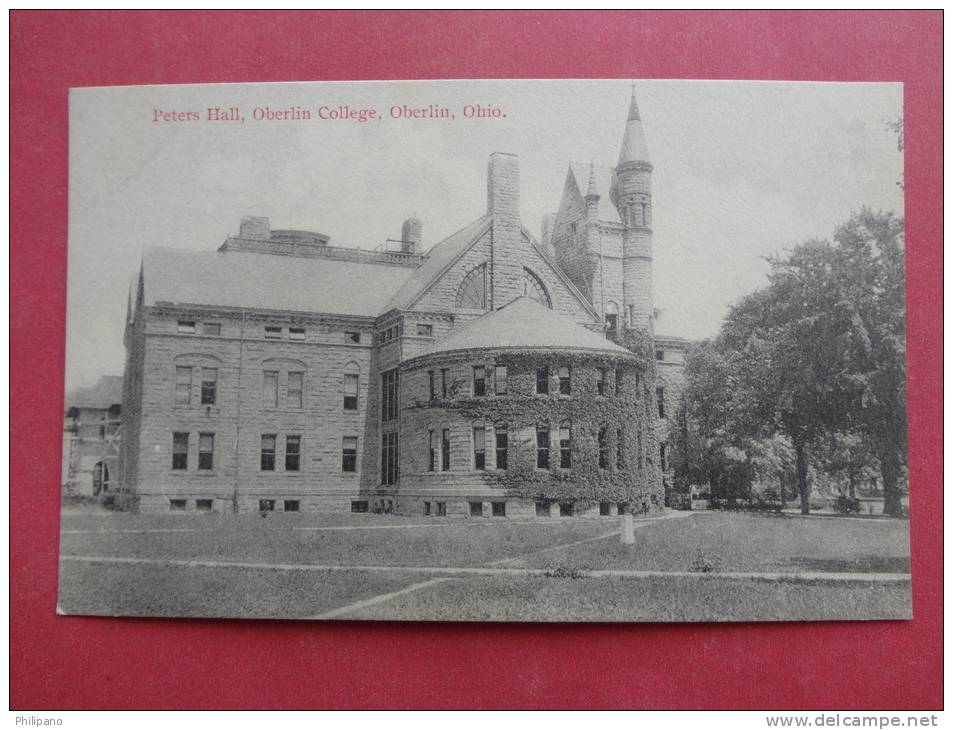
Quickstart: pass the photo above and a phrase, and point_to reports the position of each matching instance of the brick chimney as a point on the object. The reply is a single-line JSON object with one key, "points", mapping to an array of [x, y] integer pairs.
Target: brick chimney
{"points": [[411, 235], [254, 226], [503, 205]]}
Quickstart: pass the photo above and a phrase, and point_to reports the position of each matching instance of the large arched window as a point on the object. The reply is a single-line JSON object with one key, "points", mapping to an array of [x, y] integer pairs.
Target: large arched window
{"points": [[472, 291], [534, 289]]}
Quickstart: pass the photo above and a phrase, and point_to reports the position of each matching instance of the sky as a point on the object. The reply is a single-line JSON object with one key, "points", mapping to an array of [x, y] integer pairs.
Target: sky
{"points": [[742, 170]]}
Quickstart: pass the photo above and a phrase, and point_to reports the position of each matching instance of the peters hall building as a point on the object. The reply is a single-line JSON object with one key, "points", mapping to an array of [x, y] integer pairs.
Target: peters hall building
{"points": [[491, 375]]}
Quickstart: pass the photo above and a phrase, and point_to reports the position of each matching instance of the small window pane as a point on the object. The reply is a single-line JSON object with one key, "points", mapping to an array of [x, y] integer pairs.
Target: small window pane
{"points": [[272, 333], [349, 453], [296, 333], [268, 452], [211, 328], [183, 386], [292, 505], [206, 451], [425, 330], [266, 505], [269, 392], [185, 327], [350, 392], [352, 337], [292, 453], [295, 390], [209, 386]]}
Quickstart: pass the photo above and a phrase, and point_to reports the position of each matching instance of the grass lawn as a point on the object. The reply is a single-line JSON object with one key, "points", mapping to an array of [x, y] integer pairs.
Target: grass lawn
{"points": [[548, 561]]}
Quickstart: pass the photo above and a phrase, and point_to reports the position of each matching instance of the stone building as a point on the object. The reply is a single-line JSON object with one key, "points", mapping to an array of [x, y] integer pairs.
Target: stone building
{"points": [[91, 438], [485, 377]]}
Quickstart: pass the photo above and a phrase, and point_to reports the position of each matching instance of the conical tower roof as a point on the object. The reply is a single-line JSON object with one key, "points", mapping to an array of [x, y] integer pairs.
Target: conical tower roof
{"points": [[634, 148]]}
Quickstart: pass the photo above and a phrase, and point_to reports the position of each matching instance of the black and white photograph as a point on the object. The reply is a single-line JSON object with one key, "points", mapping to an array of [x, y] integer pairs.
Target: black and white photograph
{"points": [[522, 351]]}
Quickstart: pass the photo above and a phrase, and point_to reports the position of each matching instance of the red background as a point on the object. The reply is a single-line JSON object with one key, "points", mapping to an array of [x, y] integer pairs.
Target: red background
{"points": [[61, 662]]}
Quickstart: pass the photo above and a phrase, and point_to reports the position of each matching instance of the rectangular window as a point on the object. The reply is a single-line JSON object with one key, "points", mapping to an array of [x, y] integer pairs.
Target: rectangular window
{"points": [[623, 508], [479, 449], [502, 445], [564, 384], [349, 453], [660, 397], [295, 390], [433, 446], [444, 377], [266, 505], [427, 511], [269, 389], [296, 333], [177, 505], [476, 509], [542, 380], [389, 458], [620, 449], [206, 451], [211, 328], [183, 386], [618, 382], [273, 333], [542, 447], [350, 392], [203, 505], [185, 327], [661, 456], [565, 447], [441, 509], [660, 355], [268, 452], [359, 506], [389, 395], [565, 509], [499, 380], [605, 509], [542, 509], [601, 383], [209, 386], [499, 509], [479, 381], [612, 324], [292, 453], [425, 330], [292, 505], [353, 338], [603, 449], [445, 450], [180, 451], [430, 384]]}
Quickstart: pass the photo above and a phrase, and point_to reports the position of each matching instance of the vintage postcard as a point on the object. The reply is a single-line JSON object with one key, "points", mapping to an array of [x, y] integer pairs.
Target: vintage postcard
{"points": [[486, 351]]}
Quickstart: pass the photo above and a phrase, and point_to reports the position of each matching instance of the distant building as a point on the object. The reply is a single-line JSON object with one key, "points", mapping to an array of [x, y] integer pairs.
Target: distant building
{"points": [[91, 436], [483, 377]]}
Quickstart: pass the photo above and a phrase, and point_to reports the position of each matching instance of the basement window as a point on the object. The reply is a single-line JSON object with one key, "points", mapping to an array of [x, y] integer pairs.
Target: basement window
{"points": [[266, 505], [359, 506], [542, 509], [203, 505], [186, 327], [296, 333], [441, 509], [292, 505], [604, 509], [177, 505], [212, 328], [273, 333], [476, 509], [499, 509], [426, 509], [565, 509]]}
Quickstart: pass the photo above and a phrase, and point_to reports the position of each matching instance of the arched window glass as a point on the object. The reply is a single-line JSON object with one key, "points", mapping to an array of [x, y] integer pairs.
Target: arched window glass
{"points": [[472, 291], [534, 289]]}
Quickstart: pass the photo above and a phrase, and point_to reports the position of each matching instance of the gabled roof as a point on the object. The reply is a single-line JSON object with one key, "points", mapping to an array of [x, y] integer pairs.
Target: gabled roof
{"points": [[105, 393], [524, 324], [239, 279], [604, 177], [439, 258]]}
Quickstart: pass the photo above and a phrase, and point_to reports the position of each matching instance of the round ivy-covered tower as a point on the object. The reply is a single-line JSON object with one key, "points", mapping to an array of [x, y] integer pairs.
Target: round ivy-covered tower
{"points": [[521, 413]]}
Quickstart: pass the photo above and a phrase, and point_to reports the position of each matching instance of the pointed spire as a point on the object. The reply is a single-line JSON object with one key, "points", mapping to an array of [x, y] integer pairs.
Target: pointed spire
{"points": [[592, 191], [634, 148]]}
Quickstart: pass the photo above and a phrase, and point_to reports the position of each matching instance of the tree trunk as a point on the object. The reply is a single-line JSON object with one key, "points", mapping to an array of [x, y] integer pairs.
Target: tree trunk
{"points": [[890, 471], [800, 452]]}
